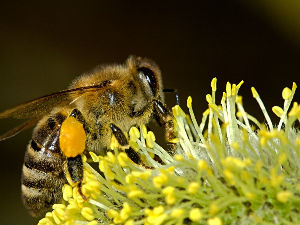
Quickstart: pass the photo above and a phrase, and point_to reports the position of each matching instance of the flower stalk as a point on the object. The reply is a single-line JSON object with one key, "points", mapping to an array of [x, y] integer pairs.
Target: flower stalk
{"points": [[229, 169]]}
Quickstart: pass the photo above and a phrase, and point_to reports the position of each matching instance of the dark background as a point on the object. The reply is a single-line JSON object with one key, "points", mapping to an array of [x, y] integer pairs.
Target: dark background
{"points": [[43, 46]]}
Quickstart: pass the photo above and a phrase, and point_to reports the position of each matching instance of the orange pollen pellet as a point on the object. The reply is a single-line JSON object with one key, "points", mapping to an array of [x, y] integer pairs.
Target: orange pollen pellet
{"points": [[72, 137]]}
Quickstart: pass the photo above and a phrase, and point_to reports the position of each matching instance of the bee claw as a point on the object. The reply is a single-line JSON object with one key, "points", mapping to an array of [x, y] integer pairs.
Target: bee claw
{"points": [[80, 192]]}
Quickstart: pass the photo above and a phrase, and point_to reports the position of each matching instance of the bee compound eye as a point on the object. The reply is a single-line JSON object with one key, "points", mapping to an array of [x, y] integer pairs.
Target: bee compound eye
{"points": [[149, 76]]}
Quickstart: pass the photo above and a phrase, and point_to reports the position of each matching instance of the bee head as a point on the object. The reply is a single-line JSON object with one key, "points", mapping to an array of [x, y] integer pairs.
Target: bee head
{"points": [[148, 74]]}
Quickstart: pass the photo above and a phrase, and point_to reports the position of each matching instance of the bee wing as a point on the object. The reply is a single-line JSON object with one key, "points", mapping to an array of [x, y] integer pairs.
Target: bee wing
{"points": [[35, 109], [18, 129], [43, 105]]}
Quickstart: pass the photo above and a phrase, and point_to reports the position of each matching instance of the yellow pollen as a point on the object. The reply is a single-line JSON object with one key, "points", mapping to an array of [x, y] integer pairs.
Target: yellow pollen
{"points": [[283, 196], [209, 98], [72, 137], [214, 221], [87, 213], [240, 84], [277, 110], [195, 215], [135, 194], [213, 84], [228, 89], [168, 190], [254, 93], [178, 157], [189, 102], [144, 130], [213, 209], [193, 187], [202, 164], [150, 139], [134, 133], [233, 91], [177, 213], [286, 93]]}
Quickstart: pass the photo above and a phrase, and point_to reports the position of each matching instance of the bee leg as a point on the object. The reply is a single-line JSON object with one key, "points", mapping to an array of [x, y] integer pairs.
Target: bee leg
{"points": [[165, 118], [78, 116], [74, 173], [174, 91], [121, 138]]}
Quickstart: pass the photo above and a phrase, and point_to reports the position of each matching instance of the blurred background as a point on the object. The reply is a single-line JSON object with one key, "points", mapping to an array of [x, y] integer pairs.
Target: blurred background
{"points": [[44, 45]]}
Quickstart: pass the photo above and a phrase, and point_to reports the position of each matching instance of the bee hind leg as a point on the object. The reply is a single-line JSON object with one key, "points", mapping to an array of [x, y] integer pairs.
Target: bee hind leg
{"points": [[74, 173]]}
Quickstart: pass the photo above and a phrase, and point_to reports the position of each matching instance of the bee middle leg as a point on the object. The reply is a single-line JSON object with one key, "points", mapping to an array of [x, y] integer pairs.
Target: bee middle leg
{"points": [[121, 138]]}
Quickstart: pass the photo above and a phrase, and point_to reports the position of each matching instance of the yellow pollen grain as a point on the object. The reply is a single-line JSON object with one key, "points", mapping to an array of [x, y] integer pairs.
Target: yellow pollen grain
{"points": [[114, 144], [134, 133], [94, 157], [67, 192], [168, 190], [72, 137], [111, 213], [223, 98], [189, 102], [206, 112], [240, 84], [170, 199], [111, 157], [213, 209], [214, 221], [295, 111], [254, 92], [250, 195], [174, 140], [213, 84], [234, 90], [193, 187], [150, 139], [129, 222], [135, 194], [94, 222], [56, 218], [283, 196], [178, 157], [159, 180], [202, 164], [278, 111], [158, 210], [130, 179], [286, 93], [177, 213], [235, 145], [239, 99], [123, 159], [228, 89], [195, 215], [144, 130], [209, 99]]}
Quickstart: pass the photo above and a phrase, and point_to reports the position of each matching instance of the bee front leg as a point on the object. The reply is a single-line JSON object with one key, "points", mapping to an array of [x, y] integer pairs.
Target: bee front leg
{"points": [[121, 138], [165, 118]]}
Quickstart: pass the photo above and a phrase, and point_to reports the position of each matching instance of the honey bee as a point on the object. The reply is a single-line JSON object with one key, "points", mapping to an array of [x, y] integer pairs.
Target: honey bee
{"points": [[98, 105]]}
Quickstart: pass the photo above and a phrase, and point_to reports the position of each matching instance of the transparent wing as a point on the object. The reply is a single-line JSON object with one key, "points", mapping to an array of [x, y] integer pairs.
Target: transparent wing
{"points": [[18, 129], [35, 109], [41, 106]]}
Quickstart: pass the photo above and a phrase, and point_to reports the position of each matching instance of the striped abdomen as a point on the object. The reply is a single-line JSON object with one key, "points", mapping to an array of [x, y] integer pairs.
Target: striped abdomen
{"points": [[42, 175]]}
